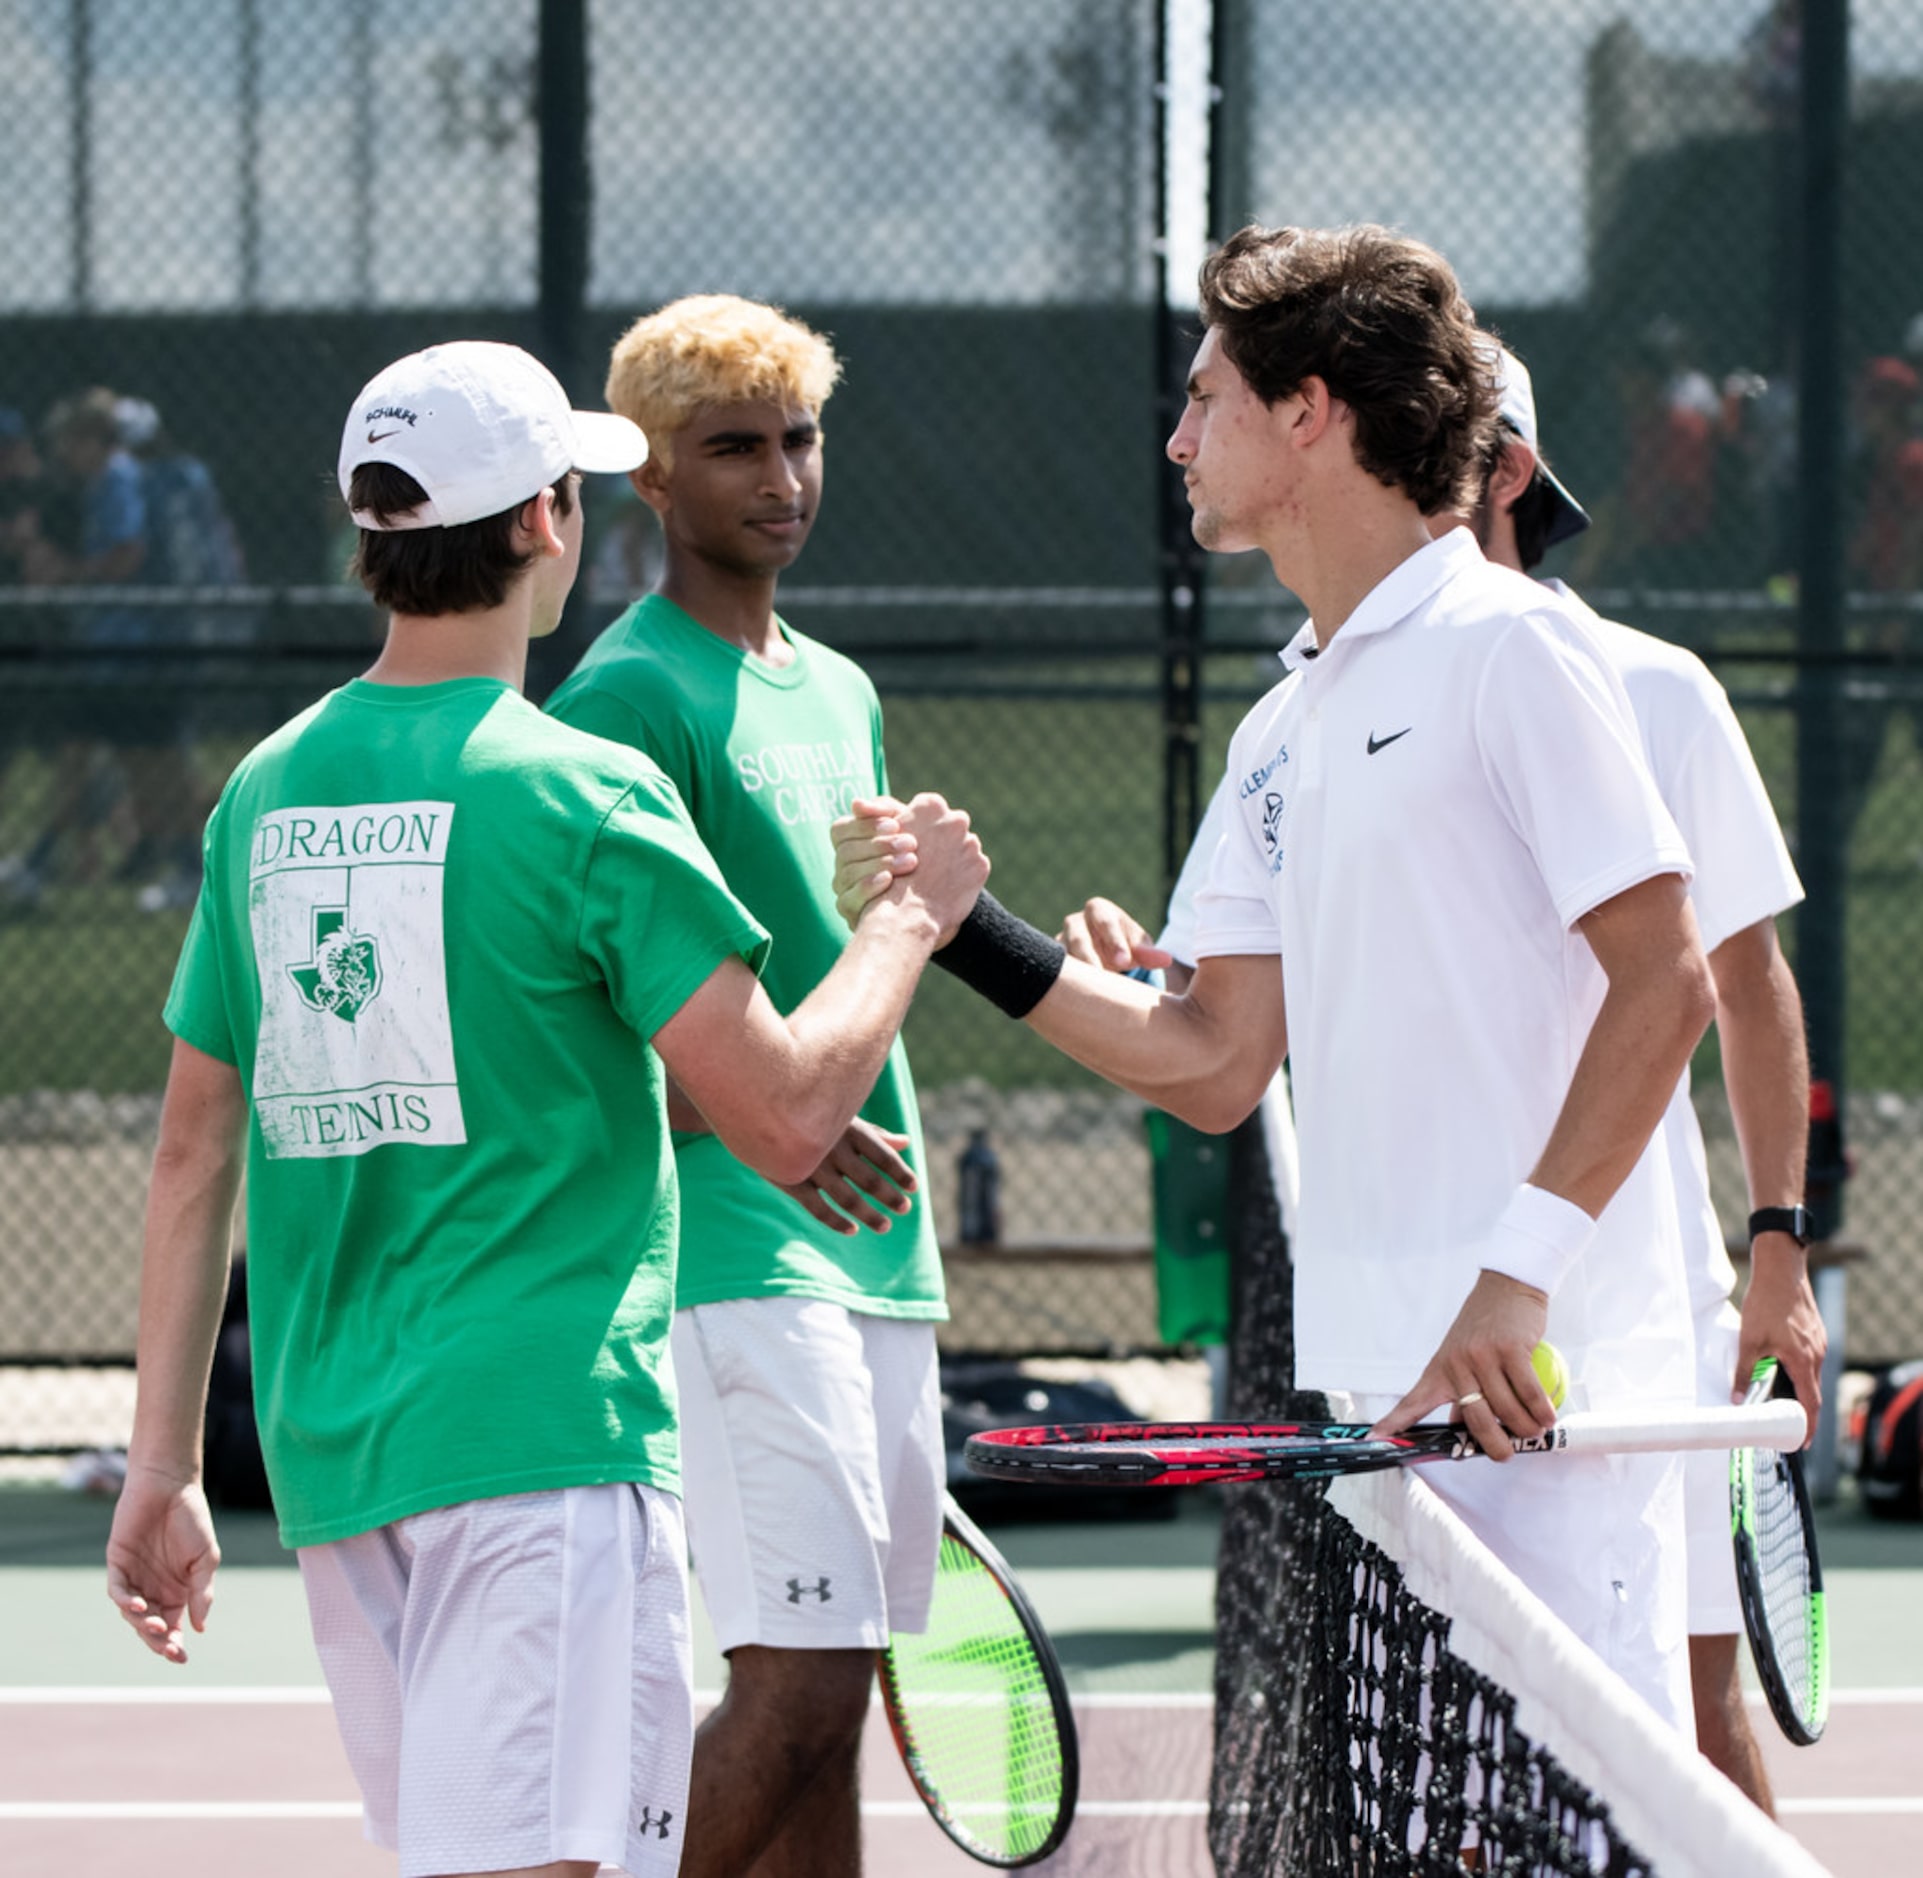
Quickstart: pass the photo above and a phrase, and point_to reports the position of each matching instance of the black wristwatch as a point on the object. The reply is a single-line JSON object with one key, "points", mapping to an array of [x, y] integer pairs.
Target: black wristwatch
{"points": [[1794, 1220]]}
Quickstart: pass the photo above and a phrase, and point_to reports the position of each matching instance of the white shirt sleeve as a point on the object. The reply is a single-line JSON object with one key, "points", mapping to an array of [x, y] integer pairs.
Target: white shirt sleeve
{"points": [[1563, 755], [1743, 867], [1235, 912], [1178, 929]]}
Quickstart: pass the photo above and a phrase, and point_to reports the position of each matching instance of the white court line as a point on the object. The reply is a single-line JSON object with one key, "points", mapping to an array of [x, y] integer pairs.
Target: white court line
{"points": [[136, 1695], [134, 1810], [114, 1811], [139, 1695]]}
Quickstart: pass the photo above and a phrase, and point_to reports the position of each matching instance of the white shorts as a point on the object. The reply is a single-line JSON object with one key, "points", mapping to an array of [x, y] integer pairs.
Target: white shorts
{"points": [[1599, 1539], [1714, 1608], [512, 1679], [813, 1470]]}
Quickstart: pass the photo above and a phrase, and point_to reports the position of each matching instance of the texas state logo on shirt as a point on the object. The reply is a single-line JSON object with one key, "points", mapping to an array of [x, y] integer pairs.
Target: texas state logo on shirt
{"points": [[356, 1048]]}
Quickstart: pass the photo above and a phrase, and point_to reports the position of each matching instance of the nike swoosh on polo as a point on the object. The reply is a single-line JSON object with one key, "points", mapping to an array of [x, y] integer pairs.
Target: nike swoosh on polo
{"points": [[1382, 743]]}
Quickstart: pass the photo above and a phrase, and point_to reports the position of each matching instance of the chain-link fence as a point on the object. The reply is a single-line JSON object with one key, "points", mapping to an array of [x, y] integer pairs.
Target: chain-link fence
{"points": [[217, 230]]}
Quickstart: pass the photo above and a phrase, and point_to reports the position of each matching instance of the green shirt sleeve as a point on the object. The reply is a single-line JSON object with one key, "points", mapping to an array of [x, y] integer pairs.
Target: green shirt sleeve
{"points": [[196, 1010], [656, 916]]}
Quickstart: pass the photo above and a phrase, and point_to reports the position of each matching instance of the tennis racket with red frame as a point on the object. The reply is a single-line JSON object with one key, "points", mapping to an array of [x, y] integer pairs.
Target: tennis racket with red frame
{"points": [[1184, 1454]]}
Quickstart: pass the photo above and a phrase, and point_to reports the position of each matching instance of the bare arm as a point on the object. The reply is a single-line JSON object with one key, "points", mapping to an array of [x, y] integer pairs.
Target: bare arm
{"points": [[861, 1180], [1759, 1022], [162, 1555], [781, 1092], [1658, 1004], [1206, 1055]]}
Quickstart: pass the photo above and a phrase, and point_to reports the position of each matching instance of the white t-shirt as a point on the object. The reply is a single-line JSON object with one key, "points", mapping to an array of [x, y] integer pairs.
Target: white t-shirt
{"points": [[1422, 812], [1708, 778]]}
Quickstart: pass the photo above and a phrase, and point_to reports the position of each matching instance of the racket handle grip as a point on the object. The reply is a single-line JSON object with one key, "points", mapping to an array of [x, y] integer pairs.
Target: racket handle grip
{"points": [[1781, 1425]]}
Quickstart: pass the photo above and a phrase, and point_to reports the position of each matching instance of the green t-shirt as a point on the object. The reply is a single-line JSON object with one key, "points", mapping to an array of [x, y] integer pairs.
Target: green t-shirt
{"points": [[435, 934], [766, 757]]}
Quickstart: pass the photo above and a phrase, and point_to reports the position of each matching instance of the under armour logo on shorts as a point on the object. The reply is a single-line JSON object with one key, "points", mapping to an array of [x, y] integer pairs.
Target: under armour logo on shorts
{"points": [[648, 1823], [797, 1590]]}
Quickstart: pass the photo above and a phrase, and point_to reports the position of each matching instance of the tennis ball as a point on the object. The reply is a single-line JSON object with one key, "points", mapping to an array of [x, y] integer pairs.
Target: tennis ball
{"points": [[1551, 1371]]}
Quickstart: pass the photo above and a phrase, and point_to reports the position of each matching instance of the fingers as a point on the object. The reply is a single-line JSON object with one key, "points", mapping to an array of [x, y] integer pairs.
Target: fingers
{"points": [[1076, 940], [812, 1203], [159, 1630], [878, 1149], [1482, 1367]]}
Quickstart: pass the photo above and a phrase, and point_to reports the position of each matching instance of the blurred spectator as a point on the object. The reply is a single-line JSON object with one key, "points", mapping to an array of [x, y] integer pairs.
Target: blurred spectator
{"points": [[190, 538], [21, 493], [83, 436], [22, 489], [1656, 529], [190, 543], [1886, 546], [1885, 556], [90, 530], [121, 768]]}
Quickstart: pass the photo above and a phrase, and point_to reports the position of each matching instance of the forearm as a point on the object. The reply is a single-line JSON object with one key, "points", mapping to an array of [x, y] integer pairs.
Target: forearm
{"points": [[1634, 1057], [1759, 1023], [183, 1275], [837, 1039], [1205, 1055]]}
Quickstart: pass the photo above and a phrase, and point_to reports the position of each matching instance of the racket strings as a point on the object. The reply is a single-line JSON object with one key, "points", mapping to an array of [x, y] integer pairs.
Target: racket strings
{"points": [[976, 1713], [1786, 1590]]}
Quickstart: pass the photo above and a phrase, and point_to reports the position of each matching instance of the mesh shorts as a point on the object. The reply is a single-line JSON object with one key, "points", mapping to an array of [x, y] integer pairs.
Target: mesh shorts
{"points": [[813, 1469], [512, 1679]]}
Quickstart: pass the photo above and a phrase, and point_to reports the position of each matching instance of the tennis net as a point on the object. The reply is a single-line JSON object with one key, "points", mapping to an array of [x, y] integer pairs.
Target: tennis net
{"points": [[1389, 1699]]}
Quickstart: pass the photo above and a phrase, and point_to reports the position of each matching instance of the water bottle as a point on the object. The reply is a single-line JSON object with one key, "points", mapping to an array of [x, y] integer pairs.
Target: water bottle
{"points": [[979, 1191]]}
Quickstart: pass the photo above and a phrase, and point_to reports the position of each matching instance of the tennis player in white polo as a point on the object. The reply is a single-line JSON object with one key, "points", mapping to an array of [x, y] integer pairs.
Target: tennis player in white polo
{"points": [[1450, 893], [1702, 765]]}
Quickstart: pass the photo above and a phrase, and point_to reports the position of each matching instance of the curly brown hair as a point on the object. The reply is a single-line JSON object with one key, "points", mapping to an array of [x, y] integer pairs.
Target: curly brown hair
{"points": [[1380, 319]]}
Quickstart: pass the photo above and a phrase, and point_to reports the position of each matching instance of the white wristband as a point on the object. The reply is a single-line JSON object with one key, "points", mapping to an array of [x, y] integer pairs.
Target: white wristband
{"points": [[1539, 1238]]}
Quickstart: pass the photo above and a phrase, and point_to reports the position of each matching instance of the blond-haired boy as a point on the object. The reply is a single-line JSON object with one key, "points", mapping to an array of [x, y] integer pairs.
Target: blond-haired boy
{"points": [[803, 1340]]}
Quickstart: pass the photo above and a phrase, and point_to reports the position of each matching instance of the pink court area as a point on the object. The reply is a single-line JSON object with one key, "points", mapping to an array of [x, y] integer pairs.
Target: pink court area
{"points": [[237, 1781]]}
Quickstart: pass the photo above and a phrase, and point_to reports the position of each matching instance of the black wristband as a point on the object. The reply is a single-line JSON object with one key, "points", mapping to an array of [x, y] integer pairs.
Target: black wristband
{"points": [[1011, 963], [1794, 1220]]}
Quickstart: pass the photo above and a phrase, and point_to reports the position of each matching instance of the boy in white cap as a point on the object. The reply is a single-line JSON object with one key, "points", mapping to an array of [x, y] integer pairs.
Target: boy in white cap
{"points": [[445, 953]]}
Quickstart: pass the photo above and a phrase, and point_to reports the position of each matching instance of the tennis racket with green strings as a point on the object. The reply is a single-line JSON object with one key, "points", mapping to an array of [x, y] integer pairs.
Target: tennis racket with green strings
{"points": [[980, 1711], [1780, 1578]]}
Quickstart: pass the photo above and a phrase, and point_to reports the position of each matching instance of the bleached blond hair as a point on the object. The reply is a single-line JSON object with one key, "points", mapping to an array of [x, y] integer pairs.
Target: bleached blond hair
{"points": [[715, 348]]}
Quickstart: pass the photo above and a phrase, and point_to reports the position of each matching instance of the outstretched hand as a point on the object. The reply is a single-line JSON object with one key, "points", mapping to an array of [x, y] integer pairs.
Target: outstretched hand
{"points": [[1105, 936], [1483, 1368], [161, 1560], [861, 1182]]}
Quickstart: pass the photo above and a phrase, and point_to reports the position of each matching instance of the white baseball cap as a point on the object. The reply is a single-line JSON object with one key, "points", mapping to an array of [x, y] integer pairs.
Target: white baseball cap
{"points": [[1516, 407], [481, 427]]}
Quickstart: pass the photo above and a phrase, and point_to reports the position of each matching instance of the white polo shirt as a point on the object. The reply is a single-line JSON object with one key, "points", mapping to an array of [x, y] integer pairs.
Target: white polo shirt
{"points": [[1706, 775], [1422, 814]]}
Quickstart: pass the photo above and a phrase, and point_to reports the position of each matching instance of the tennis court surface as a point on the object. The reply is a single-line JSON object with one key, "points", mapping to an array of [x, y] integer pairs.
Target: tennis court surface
{"points": [[111, 1761]]}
